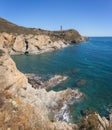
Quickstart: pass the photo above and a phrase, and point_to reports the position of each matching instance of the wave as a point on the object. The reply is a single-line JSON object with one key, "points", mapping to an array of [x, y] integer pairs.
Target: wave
{"points": [[63, 114]]}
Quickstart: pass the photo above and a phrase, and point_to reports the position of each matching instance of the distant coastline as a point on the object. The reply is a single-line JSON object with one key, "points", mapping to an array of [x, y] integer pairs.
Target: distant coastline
{"points": [[21, 40]]}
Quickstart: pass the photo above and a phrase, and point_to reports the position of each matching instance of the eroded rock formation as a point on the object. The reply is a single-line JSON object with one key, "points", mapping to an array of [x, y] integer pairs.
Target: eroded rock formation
{"points": [[21, 40], [32, 44], [93, 121], [23, 107], [37, 82]]}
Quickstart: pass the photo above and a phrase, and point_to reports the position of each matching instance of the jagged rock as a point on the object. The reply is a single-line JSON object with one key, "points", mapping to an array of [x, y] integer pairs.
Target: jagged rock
{"points": [[106, 122], [6, 40], [23, 107], [94, 121], [37, 82], [10, 78], [19, 45], [103, 123], [57, 79]]}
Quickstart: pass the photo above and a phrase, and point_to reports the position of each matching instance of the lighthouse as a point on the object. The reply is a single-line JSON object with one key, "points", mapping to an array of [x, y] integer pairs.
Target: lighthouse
{"points": [[61, 28]]}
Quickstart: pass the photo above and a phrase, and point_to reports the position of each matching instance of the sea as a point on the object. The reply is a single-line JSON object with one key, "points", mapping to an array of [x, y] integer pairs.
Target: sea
{"points": [[89, 67]]}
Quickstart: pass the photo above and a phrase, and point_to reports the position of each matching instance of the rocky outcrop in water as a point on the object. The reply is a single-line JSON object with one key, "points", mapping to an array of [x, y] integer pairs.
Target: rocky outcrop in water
{"points": [[81, 82], [24, 107], [37, 82], [93, 121]]}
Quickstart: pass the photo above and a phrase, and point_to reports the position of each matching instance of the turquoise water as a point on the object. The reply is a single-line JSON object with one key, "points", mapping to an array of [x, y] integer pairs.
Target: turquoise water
{"points": [[90, 61]]}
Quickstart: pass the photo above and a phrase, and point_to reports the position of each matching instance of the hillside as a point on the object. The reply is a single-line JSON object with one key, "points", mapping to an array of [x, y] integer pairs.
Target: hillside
{"points": [[19, 40], [8, 27]]}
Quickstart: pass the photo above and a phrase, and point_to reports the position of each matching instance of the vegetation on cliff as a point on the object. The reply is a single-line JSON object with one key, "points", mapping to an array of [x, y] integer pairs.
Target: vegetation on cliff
{"points": [[68, 35]]}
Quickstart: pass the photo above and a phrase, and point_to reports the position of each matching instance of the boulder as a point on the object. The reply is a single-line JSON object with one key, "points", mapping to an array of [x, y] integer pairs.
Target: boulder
{"points": [[19, 45]]}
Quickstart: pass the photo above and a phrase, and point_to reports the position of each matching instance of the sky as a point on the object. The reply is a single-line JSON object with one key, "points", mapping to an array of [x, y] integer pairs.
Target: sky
{"points": [[89, 17]]}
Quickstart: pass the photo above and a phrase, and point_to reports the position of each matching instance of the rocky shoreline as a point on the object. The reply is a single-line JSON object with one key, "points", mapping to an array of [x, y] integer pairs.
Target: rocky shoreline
{"points": [[44, 104], [25, 103], [37, 81], [20, 40], [32, 44], [24, 107]]}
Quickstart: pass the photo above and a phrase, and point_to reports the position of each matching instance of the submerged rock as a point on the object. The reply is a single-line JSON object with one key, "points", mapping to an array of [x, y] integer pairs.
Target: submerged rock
{"points": [[75, 70], [81, 82]]}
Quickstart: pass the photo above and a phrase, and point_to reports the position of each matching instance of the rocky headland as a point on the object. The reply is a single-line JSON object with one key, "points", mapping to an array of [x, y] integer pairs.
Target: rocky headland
{"points": [[21, 40]]}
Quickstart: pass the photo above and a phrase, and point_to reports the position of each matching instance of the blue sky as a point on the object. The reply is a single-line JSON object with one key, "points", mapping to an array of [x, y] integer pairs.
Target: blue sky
{"points": [[89, 17]]}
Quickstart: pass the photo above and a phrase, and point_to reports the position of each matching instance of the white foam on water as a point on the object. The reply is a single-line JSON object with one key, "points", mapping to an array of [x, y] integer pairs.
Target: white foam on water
{"points": [[63, 114]]}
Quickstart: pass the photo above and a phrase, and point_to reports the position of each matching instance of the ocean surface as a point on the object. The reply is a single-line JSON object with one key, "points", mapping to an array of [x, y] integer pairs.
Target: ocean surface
{"points": [[90, 62]]}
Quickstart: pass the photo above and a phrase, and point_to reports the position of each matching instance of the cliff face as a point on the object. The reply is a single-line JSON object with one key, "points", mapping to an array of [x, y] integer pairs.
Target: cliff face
{"points": [[33, 44], [24, 107], [20, 40]]}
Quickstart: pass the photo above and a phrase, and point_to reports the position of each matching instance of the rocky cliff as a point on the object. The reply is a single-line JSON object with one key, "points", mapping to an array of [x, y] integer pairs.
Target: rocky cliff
{"points": [[24, 107], [24, 103], [20, 40]]}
